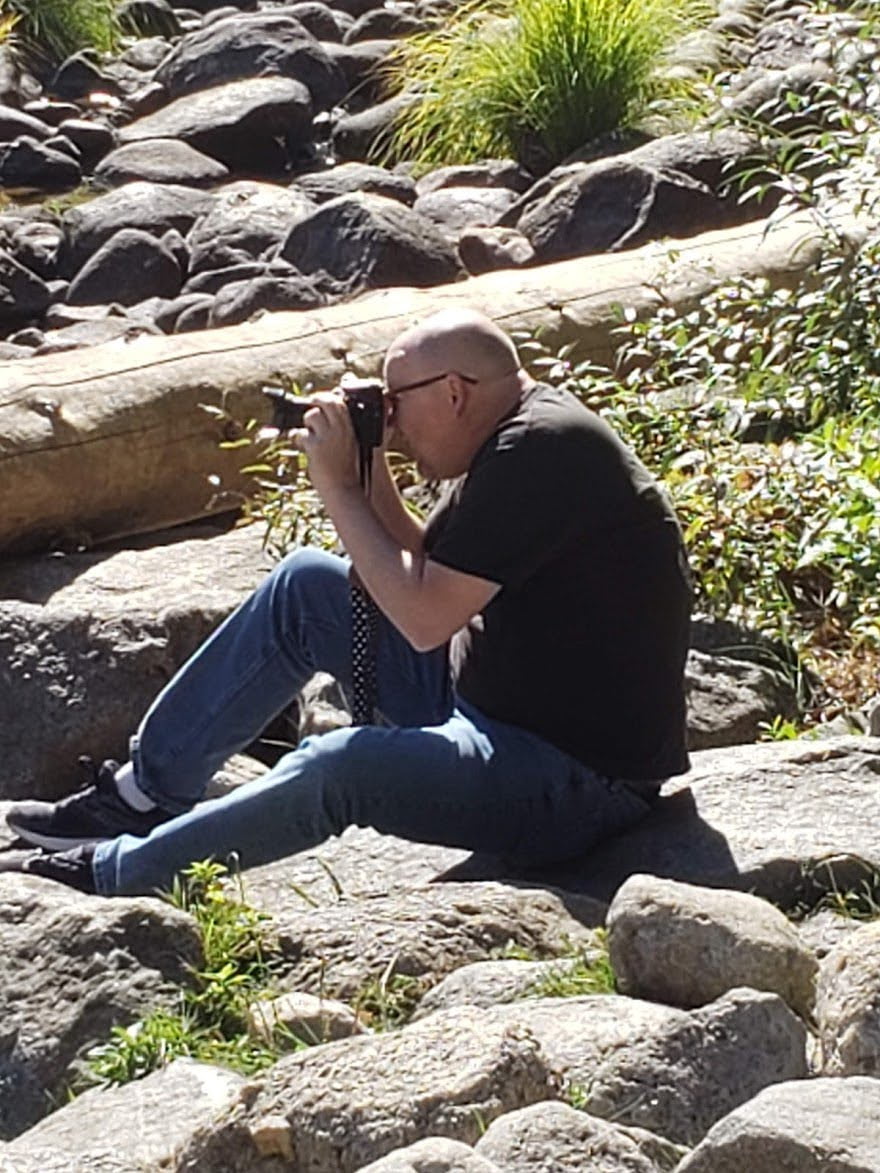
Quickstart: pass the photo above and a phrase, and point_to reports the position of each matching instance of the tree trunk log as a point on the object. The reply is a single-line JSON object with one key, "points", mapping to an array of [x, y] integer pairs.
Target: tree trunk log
{"points": [[112, 440]]}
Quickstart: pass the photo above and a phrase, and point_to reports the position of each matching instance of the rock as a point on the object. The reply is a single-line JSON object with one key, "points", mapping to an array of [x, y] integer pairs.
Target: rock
{"points": [[348, 1103], [241, 300], [249, 47], [384, 24], [455, 208], [809, 1126], [848, 1007], [670, 1071], [15, 123], [361, 67], [554, 1136], [17, 85], [504, 173], [247, 221], [823, 930], [488, 983], [74, 966], [730, 701], [685, 945], [22, 293], [196, 305], [152, 207], [338, 948], [27, 163], [129, 267], [160, 161], [482, 250], [368, 242], [243, 124], [347, 178], [88, 640], [613, 204], [50, 111], [148, 18], [35, 244], [434, 1154], [358, 136], [92, 139], [321, 20], [94, 333], [79, 75], [94, 1133], [146, 54], [765, 818], [309, 1018]]}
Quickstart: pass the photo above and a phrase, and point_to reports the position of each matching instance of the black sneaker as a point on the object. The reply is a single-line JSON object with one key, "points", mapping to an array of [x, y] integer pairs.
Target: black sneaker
{"points": [[90, 816], [73, 868]]}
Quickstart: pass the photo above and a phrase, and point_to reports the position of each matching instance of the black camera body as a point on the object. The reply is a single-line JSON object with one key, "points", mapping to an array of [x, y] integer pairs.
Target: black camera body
{"points": [[366, 409]]}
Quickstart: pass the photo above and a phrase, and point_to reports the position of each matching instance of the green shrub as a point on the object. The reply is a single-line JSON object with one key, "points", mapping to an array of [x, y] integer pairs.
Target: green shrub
{"points": [[532, 79], [56, 28]]}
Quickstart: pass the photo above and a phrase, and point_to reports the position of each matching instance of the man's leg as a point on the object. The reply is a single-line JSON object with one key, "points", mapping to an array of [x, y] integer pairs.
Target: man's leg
{"points": [[469, 782]]}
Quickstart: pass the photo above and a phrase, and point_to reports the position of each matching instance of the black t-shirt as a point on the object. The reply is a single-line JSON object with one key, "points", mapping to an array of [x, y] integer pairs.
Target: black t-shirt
{"points": [[585, 642]]}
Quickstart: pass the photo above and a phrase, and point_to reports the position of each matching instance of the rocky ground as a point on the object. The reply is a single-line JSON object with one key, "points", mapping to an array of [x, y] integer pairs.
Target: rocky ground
{"points": [[744, 1034]]}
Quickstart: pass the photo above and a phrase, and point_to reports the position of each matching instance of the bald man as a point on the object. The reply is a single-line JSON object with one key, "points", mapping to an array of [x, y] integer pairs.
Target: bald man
{"points": [[529, 654]]}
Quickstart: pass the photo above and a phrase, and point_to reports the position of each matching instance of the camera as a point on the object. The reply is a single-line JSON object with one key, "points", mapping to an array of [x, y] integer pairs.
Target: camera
{"points": [[366, 409]]}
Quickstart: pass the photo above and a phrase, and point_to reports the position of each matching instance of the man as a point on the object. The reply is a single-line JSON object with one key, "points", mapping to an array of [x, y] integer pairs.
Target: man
{"points": [[530, 651]]}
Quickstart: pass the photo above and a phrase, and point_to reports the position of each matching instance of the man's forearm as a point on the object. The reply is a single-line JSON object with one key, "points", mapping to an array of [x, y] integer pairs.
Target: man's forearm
{"points": [[390, 508]]}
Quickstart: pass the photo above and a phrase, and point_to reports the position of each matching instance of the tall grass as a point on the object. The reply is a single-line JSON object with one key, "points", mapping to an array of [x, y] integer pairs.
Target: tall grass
{"points": [[53, 29], [532, 79]]}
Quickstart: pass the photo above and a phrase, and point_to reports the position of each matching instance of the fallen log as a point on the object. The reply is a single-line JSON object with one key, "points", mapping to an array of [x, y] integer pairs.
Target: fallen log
{"points": [[113, 440]]}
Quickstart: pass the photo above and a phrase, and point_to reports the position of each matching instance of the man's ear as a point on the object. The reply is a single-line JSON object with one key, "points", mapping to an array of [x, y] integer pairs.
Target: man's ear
{"points": [[458, 393]]}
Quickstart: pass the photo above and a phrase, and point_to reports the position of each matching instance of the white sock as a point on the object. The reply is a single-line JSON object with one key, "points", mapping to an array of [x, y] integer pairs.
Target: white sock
{"points": [[130, 792]]}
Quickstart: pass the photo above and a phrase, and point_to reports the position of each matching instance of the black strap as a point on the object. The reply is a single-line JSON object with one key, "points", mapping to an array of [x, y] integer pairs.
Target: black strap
{"points": [[364, 635]]}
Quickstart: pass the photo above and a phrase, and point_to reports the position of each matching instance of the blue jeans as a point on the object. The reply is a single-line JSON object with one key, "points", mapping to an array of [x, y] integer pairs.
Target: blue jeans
{"points": [[439, 772]]}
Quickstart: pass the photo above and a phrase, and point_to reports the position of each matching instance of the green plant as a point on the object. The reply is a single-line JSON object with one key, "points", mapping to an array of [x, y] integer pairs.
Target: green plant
{"points": [[57, 28], [532, 79], [587, 972], [210, 1021], [387, 1000]]}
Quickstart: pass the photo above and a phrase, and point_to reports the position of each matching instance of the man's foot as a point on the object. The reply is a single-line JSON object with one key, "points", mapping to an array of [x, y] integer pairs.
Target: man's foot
{"points": [[90, 816], [73, 868]]}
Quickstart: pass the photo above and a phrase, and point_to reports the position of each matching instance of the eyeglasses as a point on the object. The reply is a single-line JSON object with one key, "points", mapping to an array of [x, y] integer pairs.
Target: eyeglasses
{"points": [[395, 391]]}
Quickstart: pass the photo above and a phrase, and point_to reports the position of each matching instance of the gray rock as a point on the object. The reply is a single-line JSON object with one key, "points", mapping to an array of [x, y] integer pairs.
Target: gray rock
{"points": [[848, 1005], [74, 966], [368, 242], [10, 351], [153, 207], [116, 328], [356, 137], [92, 139], [241, 123], [488, 983], [246, 222], [345, 1104], [22, 293], [361, 67], [824, 930], [50, 111], [129, 267], [196, 305], [555, 1138], [346, 178], [242, 300], [423, 934], [321, 20], [160, 161], [94, 1133], [434, 1154], [649, 1066], [252, 46], [810, 1126], [506, 173], [36, 244], [14, 123], [612, 204], [88, 640], [685, 945], [455, 208], [28, 163], [482, 250], [730, 701], [310, 1018], [384, 23]]}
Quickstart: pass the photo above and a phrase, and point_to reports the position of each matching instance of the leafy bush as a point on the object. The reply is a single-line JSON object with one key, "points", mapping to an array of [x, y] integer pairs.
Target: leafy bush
{"points": [[57, 28], [532, 79]]}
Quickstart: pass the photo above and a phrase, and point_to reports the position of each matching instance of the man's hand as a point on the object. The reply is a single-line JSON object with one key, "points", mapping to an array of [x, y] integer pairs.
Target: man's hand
{"points": [[328, 440]]}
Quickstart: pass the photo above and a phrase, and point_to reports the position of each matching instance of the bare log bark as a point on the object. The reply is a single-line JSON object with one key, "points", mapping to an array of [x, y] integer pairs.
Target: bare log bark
{"points": [[112, 440]]}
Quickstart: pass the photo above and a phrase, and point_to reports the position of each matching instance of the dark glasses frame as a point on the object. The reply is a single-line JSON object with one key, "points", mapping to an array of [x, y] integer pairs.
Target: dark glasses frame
{"points": [[393, 391]]}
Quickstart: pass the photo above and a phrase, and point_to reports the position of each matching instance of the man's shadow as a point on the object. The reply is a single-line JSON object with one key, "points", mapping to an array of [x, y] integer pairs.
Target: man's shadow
{"points": [[673, 842]]}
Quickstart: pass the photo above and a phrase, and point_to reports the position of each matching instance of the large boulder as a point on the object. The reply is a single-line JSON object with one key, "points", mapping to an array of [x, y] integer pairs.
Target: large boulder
{"points": [[848, 1007], [33, 165], [128, 268], [247, 222], [88, 640], [369, 242], [74, 966], [686, 945], [809, 1126], [730, 701], [160, 161], [252, 46], [22, 293], [248, 125]]}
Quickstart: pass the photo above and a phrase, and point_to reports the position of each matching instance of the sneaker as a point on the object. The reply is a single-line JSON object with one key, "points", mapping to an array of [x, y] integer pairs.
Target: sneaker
{"points": [[73, 868], [90, 816]]}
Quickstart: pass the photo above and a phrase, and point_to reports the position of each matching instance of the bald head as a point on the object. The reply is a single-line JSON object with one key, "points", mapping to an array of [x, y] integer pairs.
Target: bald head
{"points": [[460, 339]]}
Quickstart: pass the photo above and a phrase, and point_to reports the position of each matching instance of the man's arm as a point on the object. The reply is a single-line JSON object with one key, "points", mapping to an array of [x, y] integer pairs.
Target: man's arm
{"points": [[389, 507], [426, 601]]}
